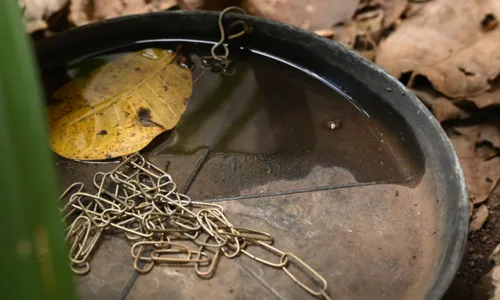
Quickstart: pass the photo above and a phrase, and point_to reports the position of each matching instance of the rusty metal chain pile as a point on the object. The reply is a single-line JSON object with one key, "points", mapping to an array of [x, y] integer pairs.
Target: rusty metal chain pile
{"points": [[141, 201]]}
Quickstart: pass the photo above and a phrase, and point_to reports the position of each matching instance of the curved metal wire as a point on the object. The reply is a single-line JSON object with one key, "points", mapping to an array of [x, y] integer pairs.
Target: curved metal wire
{"points": [[221, 43], [141, 201]]}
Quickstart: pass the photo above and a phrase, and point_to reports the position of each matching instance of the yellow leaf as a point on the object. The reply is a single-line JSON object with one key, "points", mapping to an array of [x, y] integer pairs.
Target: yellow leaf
{"points": [[120, 107]]}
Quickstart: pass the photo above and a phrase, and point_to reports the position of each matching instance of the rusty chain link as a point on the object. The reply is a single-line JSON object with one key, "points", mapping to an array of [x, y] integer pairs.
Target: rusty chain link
{"points": [[141, 201]]}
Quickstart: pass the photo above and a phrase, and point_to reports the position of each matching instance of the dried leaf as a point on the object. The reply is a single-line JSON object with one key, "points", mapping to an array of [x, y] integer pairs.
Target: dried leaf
{"points": [[464, 146], [328, 33], [471, 208], [393, 10], [442, 108], [481, 176], [445, 43], [207, 4], [363, 32], [486, 132], [488, 99], [346, 34], [495, 255], [307, 14], [120, 107], [488, 286], [87, 11], [192, 4], [36, 12], [478, 218], [485, 151], [494, 199], [414, 8]]}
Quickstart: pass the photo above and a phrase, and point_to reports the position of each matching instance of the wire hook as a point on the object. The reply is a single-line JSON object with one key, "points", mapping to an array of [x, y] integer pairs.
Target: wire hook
{"points": [[246, 28]]}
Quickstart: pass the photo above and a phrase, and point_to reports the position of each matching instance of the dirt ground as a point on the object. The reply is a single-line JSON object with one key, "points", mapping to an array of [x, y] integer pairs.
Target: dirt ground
{"points": [[480, 245]]}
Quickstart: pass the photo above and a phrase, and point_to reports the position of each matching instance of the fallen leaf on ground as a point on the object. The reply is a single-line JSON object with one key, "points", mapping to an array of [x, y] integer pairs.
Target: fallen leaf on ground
{"points": [[86, 11], [494, 199], [393, 10], [414, 8], [192, 4], [120, 107], [486, 151], [488, 286], [464, 147], [441, 107], [495, 255], [478, 218], [36, 12], [481, 176], [363, 32], [307, 14], [471, 208], [488, 99], [328, 33], [207, 4], [485, 132], [445, 43]]}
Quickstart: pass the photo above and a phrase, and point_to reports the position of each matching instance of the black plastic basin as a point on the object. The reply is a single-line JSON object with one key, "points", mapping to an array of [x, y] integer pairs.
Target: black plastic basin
{"points": [[378, 206]]}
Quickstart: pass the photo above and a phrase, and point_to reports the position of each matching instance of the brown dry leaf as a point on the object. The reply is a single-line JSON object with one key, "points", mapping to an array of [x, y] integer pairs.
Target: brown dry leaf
{"points": [[414, 8], [192, 4], [495, 255], [307, 14], [487, 99], [442, 108], [87, 11], [346, 34], [481, 176], [393, 10], [485, 151], [494, 199], [471, 208], [478, 218], [363, 32], [120, 107], [464, 146], [488, 286], [207, 4], [36, 12], [486, 132], [445, 43], [490, 98], [327, 33]]}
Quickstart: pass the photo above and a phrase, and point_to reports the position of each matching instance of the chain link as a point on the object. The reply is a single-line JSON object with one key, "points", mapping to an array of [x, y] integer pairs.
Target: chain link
{"points": [[141, 201]]}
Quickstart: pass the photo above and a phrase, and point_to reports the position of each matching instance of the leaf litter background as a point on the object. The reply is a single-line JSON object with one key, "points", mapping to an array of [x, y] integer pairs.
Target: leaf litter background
{"points": [[446, 51]]}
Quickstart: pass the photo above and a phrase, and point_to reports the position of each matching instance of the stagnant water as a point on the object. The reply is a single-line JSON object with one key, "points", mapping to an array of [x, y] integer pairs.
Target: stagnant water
{"points": [[269, 122], [290, 154]]}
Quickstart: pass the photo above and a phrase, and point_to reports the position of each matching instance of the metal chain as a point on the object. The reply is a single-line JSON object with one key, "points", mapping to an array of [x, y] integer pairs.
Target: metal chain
{"points": [[220, 63], [141, 201], [244, 26]]}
